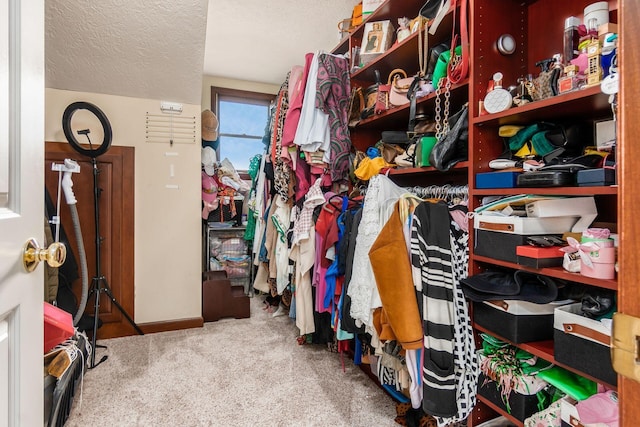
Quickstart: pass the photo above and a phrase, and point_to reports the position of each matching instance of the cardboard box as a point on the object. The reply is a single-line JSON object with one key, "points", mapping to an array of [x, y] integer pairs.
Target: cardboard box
{"points": [[537, 257], [582, 343], [517, 321], [502, 179]]}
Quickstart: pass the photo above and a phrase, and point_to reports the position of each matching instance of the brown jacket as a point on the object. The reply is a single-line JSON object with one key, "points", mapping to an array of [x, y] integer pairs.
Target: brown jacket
{"points": [[392, 270]]}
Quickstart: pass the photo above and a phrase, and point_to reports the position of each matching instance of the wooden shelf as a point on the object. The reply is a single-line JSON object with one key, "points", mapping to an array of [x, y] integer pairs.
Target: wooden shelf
{"points": [[589, 102], [390, 117], [400, 55], [499, 410], [543, 350], [428, 169], [572, 191], [557, 272]]}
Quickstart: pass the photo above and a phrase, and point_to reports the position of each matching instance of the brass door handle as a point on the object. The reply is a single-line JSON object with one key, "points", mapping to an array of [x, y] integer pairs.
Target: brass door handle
{"points": [[32, 254]]}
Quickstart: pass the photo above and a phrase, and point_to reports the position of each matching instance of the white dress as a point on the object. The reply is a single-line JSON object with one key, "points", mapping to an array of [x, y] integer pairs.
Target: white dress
{"points": [[378, 206]]}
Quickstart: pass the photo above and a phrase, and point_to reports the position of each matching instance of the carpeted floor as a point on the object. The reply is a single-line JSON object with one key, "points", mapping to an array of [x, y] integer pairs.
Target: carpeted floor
{"points": [[234, 372]]}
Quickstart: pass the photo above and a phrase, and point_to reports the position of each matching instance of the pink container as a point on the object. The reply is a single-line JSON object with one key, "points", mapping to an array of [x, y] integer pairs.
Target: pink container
{"points": [[603, 262], [58, 326]]}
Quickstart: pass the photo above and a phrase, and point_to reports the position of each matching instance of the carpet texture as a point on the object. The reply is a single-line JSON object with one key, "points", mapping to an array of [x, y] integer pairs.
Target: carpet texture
{"points": [[233, 372]]}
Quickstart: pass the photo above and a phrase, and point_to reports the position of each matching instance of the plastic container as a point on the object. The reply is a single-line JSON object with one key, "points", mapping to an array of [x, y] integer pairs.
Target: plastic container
{"points": [[596, 14], [58, 326], [571, 39]]}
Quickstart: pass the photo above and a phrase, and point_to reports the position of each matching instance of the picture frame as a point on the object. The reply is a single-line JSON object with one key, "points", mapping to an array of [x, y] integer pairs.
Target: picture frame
{"points": [[377, 37]]}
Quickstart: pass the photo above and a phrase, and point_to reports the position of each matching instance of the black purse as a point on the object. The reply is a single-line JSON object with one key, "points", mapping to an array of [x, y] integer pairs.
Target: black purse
{"points": [[430, 9], [451, 147]]}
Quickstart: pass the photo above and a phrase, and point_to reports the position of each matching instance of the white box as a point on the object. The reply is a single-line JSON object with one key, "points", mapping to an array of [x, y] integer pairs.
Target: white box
{"points": [[524, 225], [368, 6], [605, 133], [585, 207]]}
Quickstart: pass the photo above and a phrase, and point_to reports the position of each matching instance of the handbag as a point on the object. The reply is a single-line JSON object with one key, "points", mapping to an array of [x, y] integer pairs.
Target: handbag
{"points": [[382, 95], [451, 147], [458, 66], [356, 106], [400, 85], [430, 9]]}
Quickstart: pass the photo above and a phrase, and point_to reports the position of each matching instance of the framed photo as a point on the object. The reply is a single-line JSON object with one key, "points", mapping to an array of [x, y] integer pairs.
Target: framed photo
{"points": [[377, 37]]}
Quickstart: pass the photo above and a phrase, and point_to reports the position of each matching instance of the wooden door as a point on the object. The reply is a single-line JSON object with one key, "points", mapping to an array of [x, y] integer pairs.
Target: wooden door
{"points": [[629, 200], [116, 186], [21, 210]]}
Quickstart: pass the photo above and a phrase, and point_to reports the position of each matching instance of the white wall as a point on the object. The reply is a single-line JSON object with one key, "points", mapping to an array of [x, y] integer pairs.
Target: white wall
{"points": [[167, 221], [208, 81]]}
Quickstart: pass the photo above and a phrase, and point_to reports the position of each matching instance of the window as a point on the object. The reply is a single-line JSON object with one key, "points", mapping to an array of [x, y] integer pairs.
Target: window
{"points": [[243, 117]]}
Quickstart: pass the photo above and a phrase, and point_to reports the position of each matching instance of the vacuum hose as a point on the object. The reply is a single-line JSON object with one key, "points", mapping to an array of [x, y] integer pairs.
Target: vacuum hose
{"points": [[67, 187], [83, 264]]}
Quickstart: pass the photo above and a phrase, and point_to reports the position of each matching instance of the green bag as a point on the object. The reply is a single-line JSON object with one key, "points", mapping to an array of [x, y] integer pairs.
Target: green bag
{"points": [[423, 150], [569, 383], [440, 69]]}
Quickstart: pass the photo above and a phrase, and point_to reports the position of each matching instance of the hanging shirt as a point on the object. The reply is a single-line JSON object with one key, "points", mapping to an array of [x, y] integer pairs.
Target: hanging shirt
{"points": [[333, 94], [313, 127]]}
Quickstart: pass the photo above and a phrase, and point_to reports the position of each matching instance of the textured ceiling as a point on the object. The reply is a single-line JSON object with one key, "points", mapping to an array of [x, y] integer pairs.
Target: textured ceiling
{"points": [[159, 49], [147, 49], [259, 40]]}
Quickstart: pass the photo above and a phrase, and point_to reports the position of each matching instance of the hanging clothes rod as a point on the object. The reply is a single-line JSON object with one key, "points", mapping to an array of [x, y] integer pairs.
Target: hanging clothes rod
{"points": [[445, 192]]}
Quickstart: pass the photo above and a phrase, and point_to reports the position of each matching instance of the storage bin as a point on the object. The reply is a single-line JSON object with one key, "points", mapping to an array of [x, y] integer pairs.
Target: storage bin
{"points": [[58, 326], [522, 406], [497, 179], [582, 343], [500, 246], [517, 321]]}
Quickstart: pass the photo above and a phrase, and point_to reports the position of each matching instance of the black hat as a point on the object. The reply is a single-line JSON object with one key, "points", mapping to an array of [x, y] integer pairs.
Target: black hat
{"points": [[521, 285], [490, 285]]}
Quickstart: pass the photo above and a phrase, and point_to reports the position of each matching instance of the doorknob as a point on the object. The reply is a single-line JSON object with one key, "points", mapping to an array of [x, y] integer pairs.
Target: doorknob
{"points": [[32, 254]]}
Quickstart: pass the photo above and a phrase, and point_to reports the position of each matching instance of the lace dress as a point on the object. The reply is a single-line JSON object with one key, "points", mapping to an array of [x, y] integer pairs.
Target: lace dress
{"points": [[378, 205]]}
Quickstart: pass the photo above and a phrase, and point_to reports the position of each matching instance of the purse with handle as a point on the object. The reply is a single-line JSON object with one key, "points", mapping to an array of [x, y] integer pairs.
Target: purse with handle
{"points": [[399, 87]]}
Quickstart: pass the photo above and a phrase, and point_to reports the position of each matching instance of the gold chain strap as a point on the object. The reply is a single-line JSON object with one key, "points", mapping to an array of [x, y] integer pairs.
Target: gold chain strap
{"points": [[423, 46], [442, 117]]}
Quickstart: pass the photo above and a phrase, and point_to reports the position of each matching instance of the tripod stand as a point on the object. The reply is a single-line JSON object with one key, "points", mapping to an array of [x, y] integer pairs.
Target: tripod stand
{"points": [[99, 282]]}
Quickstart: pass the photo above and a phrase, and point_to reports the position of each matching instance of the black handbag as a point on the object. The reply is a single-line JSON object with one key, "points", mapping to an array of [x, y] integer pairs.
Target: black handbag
{"points": [[451, 148], [430, 9]]}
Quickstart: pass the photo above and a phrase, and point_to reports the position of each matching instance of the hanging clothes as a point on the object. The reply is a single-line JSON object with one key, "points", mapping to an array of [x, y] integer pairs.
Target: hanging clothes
{"points": [[333, 94], [313, 127], [430, 240], [378, 205], [450, 370], [281, 169], [391, 265]]}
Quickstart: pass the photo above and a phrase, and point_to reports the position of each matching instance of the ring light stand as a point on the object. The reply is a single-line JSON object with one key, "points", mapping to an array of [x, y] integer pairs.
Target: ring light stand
{"points": [[99, 282]]}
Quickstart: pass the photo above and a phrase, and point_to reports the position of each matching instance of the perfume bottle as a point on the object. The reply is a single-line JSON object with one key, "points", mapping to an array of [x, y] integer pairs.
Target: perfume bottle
{"points": [[569, 81]]}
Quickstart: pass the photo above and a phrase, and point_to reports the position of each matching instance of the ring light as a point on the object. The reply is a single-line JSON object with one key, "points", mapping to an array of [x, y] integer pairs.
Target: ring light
{"points": [[68, 132]]}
